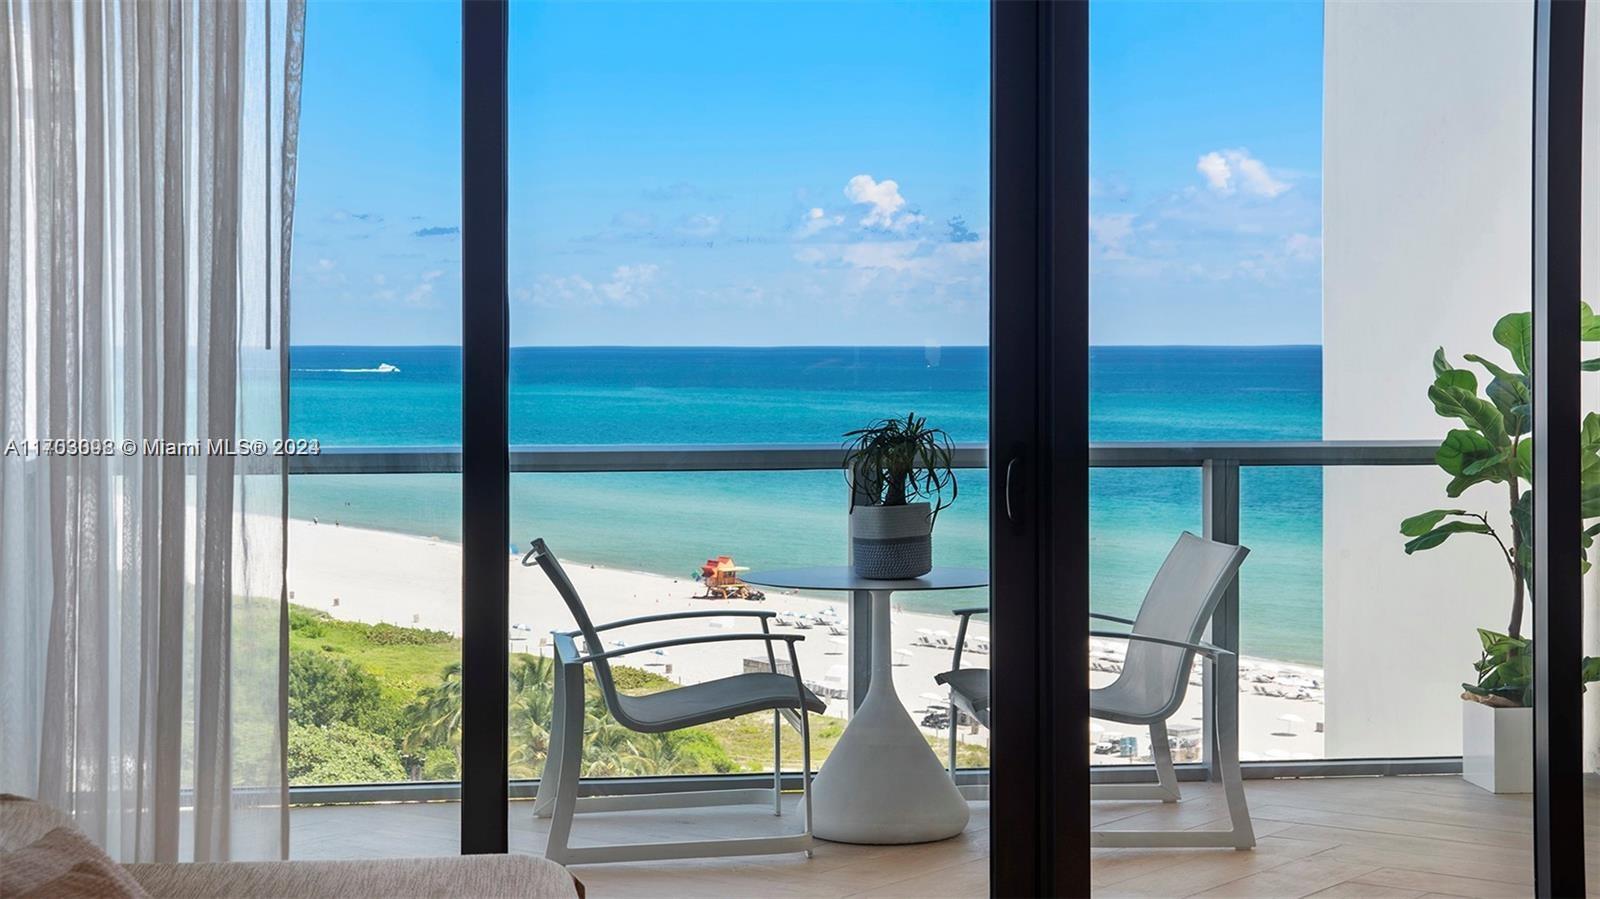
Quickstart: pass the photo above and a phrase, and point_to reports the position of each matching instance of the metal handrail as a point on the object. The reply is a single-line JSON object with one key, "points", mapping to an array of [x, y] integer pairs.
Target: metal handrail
{"points": [[814, 457]]}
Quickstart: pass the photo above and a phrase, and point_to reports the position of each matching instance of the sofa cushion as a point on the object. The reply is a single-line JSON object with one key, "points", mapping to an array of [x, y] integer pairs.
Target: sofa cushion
{"points": [[23, 821], [64, 863], [455, 875]]}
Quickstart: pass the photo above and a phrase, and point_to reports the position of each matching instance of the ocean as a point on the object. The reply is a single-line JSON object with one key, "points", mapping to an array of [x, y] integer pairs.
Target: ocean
{"points": [[668, 523]]}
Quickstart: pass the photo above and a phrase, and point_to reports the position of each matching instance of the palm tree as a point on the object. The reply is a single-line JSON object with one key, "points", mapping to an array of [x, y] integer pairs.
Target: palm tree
{"points": [[657, 754], [436, 715], [532, 708]]}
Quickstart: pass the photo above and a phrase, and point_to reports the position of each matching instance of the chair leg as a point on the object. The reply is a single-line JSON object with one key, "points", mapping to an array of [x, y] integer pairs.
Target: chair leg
{"points": [[955, 717], [1161, 752], [570, 725], [805, 771], [1166, 786], [1227, 705], [777, 764], [545, 798], [1240, 833]]}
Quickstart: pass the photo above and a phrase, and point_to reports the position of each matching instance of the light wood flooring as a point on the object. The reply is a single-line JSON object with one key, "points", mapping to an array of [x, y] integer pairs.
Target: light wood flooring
{"points": [[1337, 837]]}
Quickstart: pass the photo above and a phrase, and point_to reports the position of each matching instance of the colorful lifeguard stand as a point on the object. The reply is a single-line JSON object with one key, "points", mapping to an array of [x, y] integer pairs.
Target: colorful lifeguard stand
{"points": [[720, 578]]}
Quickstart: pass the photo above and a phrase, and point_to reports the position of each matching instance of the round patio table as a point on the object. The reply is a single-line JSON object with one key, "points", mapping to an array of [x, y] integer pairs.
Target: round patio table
{"points": [[881, 784]]}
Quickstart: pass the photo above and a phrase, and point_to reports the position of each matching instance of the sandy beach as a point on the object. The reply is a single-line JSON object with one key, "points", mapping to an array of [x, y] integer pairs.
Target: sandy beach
{"points": [[373, 576]]}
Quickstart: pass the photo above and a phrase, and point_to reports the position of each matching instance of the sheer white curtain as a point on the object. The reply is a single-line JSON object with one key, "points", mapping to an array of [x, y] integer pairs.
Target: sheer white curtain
{"points": [[147, 161]]}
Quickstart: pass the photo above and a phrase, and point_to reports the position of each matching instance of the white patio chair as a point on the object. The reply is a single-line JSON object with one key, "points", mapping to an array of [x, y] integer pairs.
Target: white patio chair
{"points": [[1155, 676], [1150, 688], [785, 695]]}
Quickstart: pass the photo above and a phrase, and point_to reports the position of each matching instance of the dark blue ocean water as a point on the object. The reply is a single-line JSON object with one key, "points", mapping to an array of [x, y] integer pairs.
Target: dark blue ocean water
{"points": [[668, 523]]}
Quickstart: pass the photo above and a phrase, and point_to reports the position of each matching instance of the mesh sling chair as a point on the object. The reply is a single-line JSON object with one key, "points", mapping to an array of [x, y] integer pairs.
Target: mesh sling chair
{"points": [[1162, 644], [784, 695]]}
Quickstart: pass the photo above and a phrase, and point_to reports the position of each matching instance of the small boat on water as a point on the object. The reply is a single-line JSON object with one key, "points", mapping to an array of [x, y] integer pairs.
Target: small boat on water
{"points": [[385, 368]]}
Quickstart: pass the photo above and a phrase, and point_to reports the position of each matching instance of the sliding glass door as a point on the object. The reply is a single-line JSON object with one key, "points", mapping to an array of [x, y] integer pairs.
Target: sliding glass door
{"points": [[375, 392], [734, 238]]}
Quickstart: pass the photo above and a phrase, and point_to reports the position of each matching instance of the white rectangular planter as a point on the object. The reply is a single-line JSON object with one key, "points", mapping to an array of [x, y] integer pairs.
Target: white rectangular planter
{"points": [[1497, 748]]}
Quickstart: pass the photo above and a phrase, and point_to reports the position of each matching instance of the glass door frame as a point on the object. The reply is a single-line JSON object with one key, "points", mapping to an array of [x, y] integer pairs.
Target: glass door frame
{"points": [[1557, 412], [1039, 442], [1039, 448]]}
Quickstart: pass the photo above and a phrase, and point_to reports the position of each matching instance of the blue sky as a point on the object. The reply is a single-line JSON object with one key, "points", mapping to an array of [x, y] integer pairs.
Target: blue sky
{"points": [[810, 173]]}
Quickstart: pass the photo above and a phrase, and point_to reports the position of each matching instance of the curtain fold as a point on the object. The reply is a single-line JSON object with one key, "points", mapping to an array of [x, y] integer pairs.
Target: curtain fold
{"points": [[147, 187]]}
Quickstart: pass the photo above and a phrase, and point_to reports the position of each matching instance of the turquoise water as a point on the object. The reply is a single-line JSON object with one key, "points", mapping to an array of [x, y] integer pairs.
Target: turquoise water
{"points": [[668, 523]]}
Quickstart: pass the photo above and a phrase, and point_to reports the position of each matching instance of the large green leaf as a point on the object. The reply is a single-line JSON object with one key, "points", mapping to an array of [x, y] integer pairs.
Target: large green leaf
{"points": [[1459, 484], [1510, 394], [1474, 411], [1522, 513], [1469, 453], [1589, 434], [1588, 322], [1525, 458], [1417, 525], [1457, 378], [1440, 363], [1515, 333], [1442, 533]]}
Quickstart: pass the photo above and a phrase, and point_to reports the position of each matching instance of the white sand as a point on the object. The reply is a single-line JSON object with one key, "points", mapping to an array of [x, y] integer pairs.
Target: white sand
{"points": [[373, 576]]}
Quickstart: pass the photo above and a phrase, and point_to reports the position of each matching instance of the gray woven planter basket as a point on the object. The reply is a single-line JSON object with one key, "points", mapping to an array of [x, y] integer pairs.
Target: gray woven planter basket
{"points": [[892, 542]]}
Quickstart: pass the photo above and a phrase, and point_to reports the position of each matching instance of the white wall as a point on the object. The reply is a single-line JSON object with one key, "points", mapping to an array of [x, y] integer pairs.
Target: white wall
{"points": [[1426, 121]]}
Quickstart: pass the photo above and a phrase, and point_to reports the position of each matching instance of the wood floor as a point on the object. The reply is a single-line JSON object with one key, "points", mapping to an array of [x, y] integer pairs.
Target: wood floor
{"points": [[1344, 837]]}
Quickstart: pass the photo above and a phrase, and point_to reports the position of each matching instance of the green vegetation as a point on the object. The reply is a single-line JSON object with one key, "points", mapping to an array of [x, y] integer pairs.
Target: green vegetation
{"points": [[1495, 445], [374, 703]]}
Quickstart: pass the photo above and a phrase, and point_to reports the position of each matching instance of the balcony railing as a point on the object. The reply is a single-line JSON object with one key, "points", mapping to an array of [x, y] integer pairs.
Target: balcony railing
{"points": [[1219, 463], [805, 457]]}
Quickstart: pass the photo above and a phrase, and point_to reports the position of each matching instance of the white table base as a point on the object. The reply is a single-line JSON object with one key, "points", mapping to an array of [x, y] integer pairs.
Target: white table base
{"points": [[881, 784]]}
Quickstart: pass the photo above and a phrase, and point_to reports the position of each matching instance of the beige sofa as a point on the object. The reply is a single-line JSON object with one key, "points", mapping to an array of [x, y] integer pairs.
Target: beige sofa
{"points": [[26, 826]]}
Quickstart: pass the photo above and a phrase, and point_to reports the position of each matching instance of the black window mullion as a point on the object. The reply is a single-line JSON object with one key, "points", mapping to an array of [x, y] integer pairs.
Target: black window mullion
{"points": [[485, 442], [1039, 448]]}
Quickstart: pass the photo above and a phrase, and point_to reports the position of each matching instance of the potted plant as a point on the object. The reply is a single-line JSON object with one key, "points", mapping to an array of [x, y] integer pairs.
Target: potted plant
{"points": [[1494, 446], [901, 478]]}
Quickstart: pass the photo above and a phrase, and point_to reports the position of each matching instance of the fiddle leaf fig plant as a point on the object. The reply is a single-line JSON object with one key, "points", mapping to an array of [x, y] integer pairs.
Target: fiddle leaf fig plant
{"points": [[1493, 444]]}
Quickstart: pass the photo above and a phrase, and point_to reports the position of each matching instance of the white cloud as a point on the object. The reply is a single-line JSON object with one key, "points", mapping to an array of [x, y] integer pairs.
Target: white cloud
{"points": [[817, 220], [1110, 233], [422, 293], [325, 265], [628, 286], [1228, 171], [885, 200], [1303, 247], [629, 283], [700, 225]]}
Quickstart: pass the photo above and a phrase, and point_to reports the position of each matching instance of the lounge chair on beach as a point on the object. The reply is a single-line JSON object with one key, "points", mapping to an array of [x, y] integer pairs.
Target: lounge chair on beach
{"points": [[1162, 643], [785, 695]]}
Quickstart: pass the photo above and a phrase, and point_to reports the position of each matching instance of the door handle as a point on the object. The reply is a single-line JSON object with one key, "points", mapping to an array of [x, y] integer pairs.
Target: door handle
{"points": [[1010, 467]]}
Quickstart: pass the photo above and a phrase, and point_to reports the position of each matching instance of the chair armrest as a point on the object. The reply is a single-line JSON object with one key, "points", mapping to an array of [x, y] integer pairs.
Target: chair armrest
{"points": [[1110, 618], [961, 631], [1206, 649], [674, 616], [791, 639]]}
